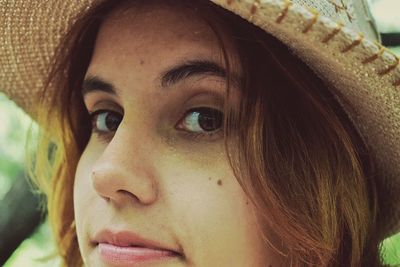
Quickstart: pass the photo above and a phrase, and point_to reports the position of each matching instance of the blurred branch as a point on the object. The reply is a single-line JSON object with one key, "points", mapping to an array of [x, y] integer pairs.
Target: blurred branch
{"points": [[19, 216], [391, 39]]}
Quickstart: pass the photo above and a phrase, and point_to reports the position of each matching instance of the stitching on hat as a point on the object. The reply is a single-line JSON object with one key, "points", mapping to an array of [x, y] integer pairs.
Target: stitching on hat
{"points": [[284, 11], [329, 37], [354, 43], [384, 72], [283, 14], [375, 56], [342, 7], [312, 22], [338, 28], [254, 7]]}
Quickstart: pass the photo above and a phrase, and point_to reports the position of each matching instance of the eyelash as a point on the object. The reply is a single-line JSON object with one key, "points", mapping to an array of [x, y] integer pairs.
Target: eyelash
{"points": [[210, 135], [104, 136]]}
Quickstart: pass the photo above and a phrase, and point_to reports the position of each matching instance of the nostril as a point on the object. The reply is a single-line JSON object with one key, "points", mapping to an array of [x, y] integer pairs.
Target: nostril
{"points": [[128, 194], [117, 182]]}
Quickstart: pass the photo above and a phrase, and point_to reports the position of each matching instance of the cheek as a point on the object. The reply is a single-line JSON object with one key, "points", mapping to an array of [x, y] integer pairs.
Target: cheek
{"points": [[82, 184], [83, 188], [200, 199], [215, 218], [84, 195]]}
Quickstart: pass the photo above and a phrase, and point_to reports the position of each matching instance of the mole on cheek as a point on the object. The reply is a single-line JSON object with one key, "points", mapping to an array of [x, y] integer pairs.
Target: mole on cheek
{"points": [[219, 182], [141, 62]]}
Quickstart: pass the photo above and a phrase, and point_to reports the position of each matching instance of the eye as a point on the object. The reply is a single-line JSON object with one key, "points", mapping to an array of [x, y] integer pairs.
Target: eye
{"points": [[201, 119], [105, 121]]}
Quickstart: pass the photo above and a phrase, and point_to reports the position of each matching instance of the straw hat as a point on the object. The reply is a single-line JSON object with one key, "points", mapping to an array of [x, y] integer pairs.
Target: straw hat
{"points": [[336, 38]]}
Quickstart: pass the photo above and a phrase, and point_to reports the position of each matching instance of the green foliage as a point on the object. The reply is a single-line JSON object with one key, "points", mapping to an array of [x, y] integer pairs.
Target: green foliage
{"points": [[391, 250], [15, 125], [386, 14], [37, 250], [13, 130], [396, 50]]}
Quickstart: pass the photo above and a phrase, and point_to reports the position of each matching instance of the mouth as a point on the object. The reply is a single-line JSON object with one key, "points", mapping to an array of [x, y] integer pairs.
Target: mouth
{"points": [[128, 249]]}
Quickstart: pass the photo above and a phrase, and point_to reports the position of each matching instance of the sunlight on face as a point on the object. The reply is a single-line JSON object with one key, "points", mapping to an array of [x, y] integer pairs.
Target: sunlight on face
{"points": [[154, 186]]}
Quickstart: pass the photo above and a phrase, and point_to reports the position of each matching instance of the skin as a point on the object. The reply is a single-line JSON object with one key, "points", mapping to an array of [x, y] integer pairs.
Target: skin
{"points": [[151, 177]]}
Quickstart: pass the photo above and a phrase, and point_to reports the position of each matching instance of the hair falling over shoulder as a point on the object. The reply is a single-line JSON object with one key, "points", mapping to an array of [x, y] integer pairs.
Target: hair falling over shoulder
{"points": [[292, 148], [299, 158]]}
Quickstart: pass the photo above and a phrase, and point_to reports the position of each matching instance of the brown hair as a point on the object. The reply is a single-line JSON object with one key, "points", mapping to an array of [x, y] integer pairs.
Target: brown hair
{"points": [[293, 149]]}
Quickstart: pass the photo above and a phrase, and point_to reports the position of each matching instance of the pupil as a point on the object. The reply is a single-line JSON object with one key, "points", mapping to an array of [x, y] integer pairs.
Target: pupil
{"points": [[210, 119], [112, 121]]}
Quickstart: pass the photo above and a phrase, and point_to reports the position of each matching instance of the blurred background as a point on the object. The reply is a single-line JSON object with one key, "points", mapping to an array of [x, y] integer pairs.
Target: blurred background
{"points": [[25, 237]]}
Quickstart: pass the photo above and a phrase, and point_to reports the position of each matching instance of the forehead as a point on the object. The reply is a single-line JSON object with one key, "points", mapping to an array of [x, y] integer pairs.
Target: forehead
{"points": [[138, 43], [171, 28]]}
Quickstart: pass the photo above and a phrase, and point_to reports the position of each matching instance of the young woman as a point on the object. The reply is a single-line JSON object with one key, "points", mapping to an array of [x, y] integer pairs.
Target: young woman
{"points": [[179, 134]]}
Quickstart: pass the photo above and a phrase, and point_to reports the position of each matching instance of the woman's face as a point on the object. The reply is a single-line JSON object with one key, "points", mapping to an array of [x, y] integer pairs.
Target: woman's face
{"points": [[154, 186]]}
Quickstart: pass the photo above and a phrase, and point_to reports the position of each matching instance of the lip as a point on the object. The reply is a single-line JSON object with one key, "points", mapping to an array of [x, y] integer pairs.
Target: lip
{"points": [[125, 248], [132, 256]]}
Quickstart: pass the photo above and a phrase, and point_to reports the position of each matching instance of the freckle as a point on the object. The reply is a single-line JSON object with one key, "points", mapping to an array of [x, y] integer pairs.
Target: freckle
{"points": [[247, 203], [141, 62], [209, 178], [219, 182]]}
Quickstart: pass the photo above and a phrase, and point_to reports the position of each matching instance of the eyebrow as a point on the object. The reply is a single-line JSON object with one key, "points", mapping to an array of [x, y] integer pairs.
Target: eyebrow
{"points": [[168, 78], [189, 69], [95, 83]]}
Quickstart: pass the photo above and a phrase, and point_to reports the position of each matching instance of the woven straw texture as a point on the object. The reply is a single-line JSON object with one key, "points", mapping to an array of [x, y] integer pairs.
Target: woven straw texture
{"points": [[336, 38]]}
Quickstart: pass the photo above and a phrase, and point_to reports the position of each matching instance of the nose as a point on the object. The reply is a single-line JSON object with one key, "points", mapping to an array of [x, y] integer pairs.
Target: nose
{"points": [[124, 172]]}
